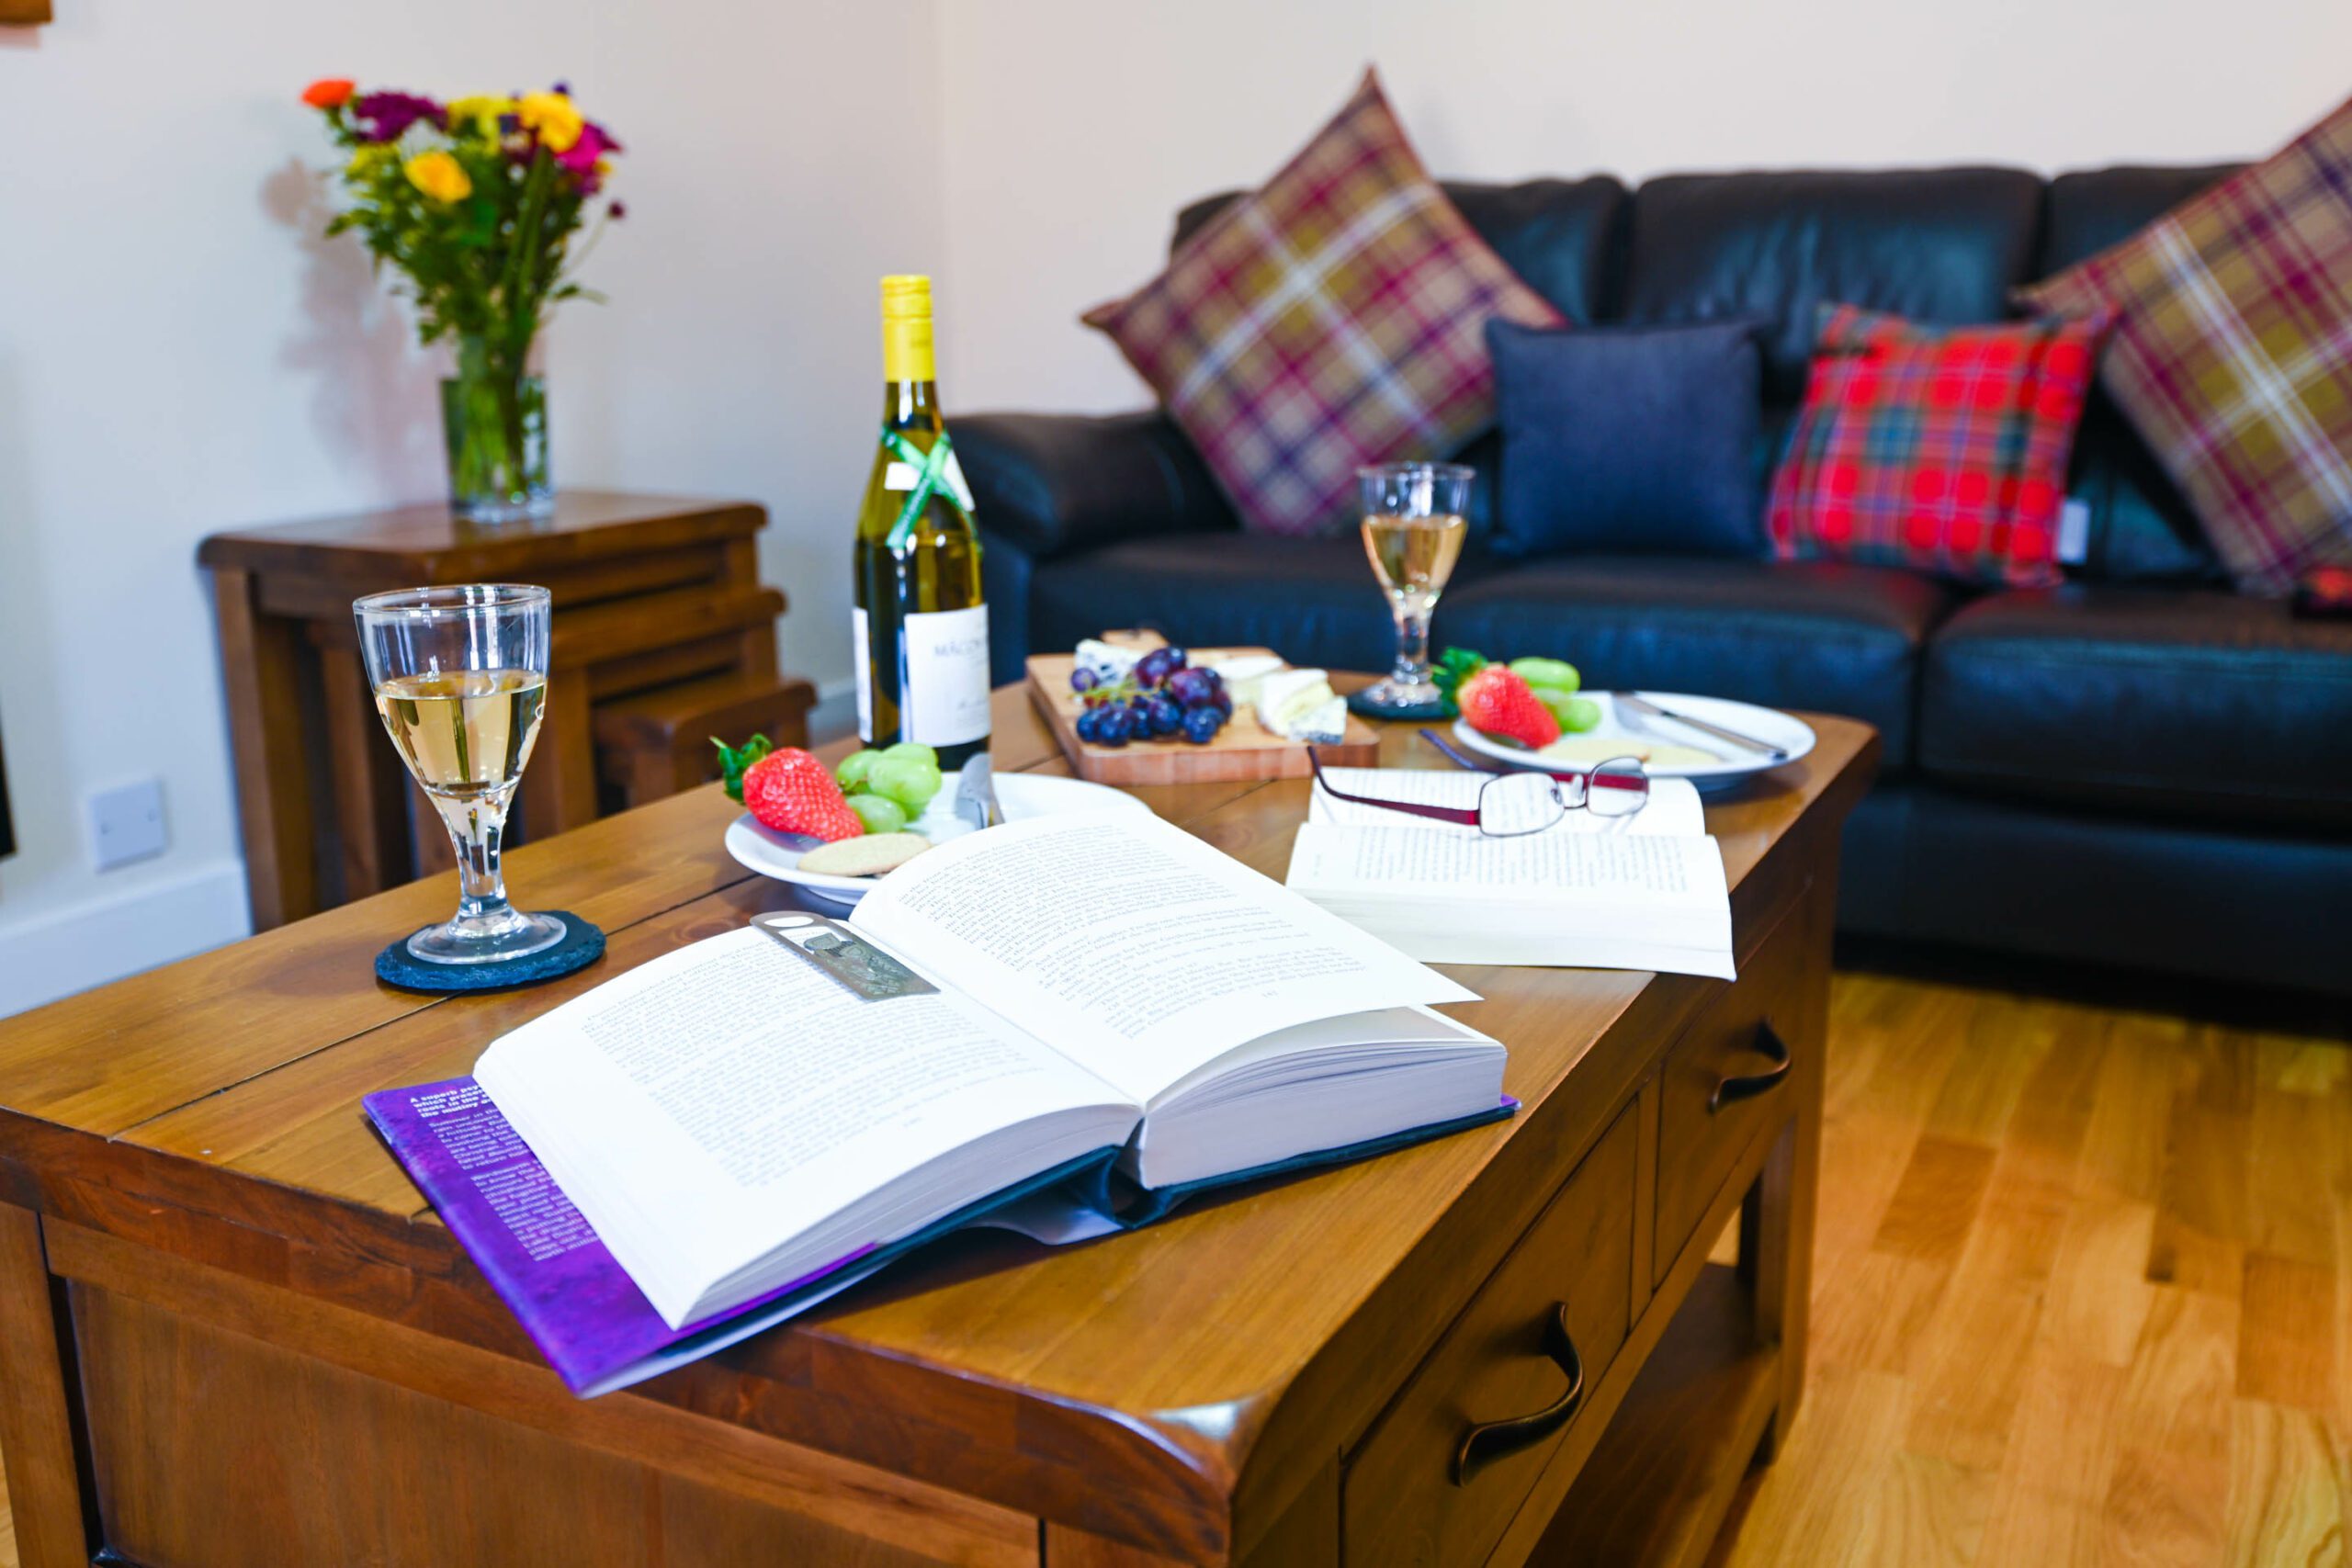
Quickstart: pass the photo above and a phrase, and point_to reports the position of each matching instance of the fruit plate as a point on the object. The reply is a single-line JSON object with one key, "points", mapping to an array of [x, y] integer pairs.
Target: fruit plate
{"points": [[1731, 767], [775, 854], [1242, 750]]}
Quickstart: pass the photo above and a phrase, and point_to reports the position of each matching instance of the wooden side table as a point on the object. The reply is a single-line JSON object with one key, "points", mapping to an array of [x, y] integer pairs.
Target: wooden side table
{"points": [[649, 590]]}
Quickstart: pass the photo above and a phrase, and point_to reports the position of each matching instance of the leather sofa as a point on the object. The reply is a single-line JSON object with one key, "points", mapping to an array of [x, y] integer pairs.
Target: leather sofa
{"points": [[2140, 768]]}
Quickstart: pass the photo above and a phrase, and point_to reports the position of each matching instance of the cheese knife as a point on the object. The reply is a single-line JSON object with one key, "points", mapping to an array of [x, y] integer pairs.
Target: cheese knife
{"points": [[976, 792], [1634, 703]]}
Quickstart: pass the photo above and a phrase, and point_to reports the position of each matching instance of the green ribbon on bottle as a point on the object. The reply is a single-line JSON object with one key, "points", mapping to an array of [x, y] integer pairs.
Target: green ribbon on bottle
{"points": [[934, 471]]}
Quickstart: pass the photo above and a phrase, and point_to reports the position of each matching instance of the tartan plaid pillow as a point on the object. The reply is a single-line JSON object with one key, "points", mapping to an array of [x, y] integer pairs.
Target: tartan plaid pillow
{"points": [[2232, 352], [1942, 449], [1332, 319]]}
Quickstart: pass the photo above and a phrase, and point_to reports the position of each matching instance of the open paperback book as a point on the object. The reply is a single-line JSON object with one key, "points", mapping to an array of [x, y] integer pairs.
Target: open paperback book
{"points": [[1097, 1016], [1645, 891]]}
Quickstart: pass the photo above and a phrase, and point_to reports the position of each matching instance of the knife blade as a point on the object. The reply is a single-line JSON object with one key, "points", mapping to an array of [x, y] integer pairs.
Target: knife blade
{"points": [[976, 792], [1635, 702]]}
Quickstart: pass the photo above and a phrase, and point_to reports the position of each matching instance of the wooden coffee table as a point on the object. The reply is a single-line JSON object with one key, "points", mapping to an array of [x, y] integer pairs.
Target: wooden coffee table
{"points": [[230, 1332]]}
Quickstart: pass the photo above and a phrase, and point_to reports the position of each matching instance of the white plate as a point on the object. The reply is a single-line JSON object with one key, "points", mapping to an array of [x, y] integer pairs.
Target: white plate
{"points": [[1769, 725], [775, 854]]}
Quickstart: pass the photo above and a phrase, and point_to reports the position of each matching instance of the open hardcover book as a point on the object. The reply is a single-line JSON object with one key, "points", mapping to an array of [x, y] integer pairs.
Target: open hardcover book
{"points": [[1094, 1016]]}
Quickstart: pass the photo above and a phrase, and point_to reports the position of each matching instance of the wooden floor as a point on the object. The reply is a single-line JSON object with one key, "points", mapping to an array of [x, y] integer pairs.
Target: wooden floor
{"points": [[2083, 1293]]}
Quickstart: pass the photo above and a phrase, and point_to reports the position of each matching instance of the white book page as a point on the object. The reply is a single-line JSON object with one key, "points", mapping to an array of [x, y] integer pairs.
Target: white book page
{"points": [[709, 1106], [1673, 810], [1131, 946]]}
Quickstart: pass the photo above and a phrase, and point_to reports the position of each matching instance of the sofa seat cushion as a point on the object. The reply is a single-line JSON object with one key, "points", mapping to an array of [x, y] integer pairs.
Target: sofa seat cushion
{"points": [[2148, 699], [1819, 635], [1313, 601]]}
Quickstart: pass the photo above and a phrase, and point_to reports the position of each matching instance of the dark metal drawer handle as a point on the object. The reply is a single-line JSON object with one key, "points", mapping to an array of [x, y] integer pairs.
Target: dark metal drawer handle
{"points": [[1740, 1086], [1488, 1440]]}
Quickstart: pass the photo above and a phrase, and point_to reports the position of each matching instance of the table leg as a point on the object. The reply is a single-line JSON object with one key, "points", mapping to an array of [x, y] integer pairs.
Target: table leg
{"points": [[1776, 1222], [36, 1433], [259, 657], [371, 787]]}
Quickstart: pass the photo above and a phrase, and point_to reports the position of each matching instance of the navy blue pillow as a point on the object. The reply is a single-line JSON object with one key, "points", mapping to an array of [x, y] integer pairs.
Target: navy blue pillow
{"points": [[1629, 439]]}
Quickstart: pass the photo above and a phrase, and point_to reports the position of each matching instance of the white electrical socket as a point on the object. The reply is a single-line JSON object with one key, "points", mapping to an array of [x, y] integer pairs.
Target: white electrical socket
{"points": [[127, 823]]}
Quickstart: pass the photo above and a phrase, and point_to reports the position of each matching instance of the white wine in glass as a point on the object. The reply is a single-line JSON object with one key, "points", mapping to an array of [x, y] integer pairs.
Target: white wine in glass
{"points": [[460, 676], [1413, 532]]}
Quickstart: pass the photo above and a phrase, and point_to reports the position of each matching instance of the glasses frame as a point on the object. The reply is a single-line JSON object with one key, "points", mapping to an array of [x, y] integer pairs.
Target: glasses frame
{"points": [[1474, 816]]}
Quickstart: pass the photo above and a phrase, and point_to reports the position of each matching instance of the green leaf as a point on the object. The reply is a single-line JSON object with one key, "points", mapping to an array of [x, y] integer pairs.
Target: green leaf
{"points": [[736, 760], [1455, 666]]}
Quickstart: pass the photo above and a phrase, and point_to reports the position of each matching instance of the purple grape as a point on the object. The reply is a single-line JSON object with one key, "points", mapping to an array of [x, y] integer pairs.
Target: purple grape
{"points": [[1191, 687], [1201, 725], [1114, 727], [1159, 664], [1167, 715], [1090, 724], [1223, 702], [1082, 679]]}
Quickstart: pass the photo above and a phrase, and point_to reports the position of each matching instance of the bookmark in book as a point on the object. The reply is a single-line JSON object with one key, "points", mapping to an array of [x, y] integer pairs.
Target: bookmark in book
{"points": [[846, 958]]}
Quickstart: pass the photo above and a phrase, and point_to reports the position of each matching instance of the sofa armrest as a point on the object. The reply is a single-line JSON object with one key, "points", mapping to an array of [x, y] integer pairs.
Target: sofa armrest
{"points": [[1050, 484]]}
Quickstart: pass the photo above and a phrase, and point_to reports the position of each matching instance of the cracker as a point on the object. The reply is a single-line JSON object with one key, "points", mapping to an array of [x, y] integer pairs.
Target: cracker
{"points": [[869, 854]]}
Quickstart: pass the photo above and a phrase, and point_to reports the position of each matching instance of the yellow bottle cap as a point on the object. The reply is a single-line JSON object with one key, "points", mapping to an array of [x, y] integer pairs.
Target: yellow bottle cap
{"points": [[906, 295]]}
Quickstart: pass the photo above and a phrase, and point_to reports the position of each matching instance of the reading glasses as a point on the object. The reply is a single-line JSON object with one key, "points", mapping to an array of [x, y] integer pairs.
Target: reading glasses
{"points": [[1524, 800]]}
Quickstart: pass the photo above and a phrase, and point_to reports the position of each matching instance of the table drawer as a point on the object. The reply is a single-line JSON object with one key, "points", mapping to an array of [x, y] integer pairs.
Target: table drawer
{"points": [[1422, 1489], [1723, 1080]]}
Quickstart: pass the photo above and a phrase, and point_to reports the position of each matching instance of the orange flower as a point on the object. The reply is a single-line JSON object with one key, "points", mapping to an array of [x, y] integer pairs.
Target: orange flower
{"points": [[328, 93]]}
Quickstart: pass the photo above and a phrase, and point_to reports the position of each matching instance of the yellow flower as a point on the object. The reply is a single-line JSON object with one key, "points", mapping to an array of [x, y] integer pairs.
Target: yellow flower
{"points": [[364, 161], [482, 111], [552, 119], [438, 175]]}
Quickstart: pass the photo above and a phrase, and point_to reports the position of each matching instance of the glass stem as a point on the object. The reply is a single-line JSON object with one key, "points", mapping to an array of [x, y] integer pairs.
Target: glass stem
{"points": [[476, 829], [1412, 640]]}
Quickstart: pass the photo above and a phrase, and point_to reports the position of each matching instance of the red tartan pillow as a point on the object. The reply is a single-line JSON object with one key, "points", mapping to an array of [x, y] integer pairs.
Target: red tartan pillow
{"points": [[1334, 318], [1942, 449]]}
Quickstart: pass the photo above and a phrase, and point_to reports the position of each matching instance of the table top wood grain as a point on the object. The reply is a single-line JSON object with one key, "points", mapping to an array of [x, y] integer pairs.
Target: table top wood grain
{"points": [[1175, 1385]]}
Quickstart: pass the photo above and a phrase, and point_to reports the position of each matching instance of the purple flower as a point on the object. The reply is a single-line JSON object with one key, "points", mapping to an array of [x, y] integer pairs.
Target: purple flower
{"points": [[594, 142], [618, 211], [383, 116]]}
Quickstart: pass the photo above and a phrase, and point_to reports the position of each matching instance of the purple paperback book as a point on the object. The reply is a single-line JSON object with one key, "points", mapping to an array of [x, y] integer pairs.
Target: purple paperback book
{"points": [[578, 1305]]}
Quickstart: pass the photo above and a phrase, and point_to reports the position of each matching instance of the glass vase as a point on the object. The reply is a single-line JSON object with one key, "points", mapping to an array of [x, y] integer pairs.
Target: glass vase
{"points": [[494, 419]]}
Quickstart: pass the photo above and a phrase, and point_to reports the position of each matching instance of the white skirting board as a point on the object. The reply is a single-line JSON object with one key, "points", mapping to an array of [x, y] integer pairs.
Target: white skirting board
{"points": [[59, 952]]}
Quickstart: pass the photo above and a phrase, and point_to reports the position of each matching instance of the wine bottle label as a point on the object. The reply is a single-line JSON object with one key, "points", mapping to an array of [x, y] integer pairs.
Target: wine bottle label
{"points": [[943, 677], [934, 471]]}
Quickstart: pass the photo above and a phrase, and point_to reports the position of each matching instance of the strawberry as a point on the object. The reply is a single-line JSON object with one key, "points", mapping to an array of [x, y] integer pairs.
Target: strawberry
{"points": [[787, 789], [1496, 702]]}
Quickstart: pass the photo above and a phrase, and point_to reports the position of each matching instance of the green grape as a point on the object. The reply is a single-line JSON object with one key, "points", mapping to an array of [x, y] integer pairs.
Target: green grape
{"points": [[912, 748], [909, 781], [1547, 674], [1579, 715], [879, 812], [851, 774]]}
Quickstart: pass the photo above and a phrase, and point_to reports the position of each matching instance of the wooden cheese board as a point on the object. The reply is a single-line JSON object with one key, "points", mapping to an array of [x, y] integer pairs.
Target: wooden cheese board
{"points": [[1242, 750]]}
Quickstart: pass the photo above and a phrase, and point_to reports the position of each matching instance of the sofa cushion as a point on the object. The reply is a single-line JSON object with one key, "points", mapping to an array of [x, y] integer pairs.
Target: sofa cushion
{"points": [[1627, 438], [1942, 449], [1565, 238], [1332, 318], [1819, 634], [2231, 312], [2141, 529], [1313, 601], [1943, 245], [2149, 699]]}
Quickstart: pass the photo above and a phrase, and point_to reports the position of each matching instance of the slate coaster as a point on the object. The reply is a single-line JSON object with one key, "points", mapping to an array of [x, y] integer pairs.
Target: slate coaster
{"points": [[1421, 715], [583, 944]]}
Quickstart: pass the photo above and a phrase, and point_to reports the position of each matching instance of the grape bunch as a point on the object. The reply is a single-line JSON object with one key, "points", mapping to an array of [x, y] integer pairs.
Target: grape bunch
{"points": [[1160, 699]]}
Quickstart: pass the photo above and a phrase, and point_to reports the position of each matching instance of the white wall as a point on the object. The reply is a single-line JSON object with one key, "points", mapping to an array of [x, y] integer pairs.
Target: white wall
{"points": [[179, 354], [1076, 128]]}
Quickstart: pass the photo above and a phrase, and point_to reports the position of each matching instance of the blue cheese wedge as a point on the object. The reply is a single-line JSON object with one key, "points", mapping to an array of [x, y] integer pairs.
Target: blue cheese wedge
{"points": [[1110, 663], [1326, 726], [1288, 695], [1245, 675]]}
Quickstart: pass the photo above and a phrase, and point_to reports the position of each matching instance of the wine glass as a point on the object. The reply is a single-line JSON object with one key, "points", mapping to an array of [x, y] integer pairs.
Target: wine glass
{"points": [[1413, 530], [460, 677]]}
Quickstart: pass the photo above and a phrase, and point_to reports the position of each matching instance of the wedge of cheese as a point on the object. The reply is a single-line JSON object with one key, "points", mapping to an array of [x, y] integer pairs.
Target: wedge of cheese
{"points": [[1326, 726], [1243, 676], [1108, 661], [1288, 695]]}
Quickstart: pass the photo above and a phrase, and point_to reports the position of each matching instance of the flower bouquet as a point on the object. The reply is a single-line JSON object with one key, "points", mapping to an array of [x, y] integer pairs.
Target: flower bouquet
{"points": [[476, 202]]}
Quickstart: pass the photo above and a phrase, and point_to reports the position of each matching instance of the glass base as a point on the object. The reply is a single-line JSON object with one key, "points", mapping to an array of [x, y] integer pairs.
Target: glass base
{"points": [[538, 504], [490, 939], [1397, 693]]}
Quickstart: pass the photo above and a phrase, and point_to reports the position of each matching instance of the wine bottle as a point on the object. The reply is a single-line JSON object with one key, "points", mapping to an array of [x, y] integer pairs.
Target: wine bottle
{"points": [[921, 629]]}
